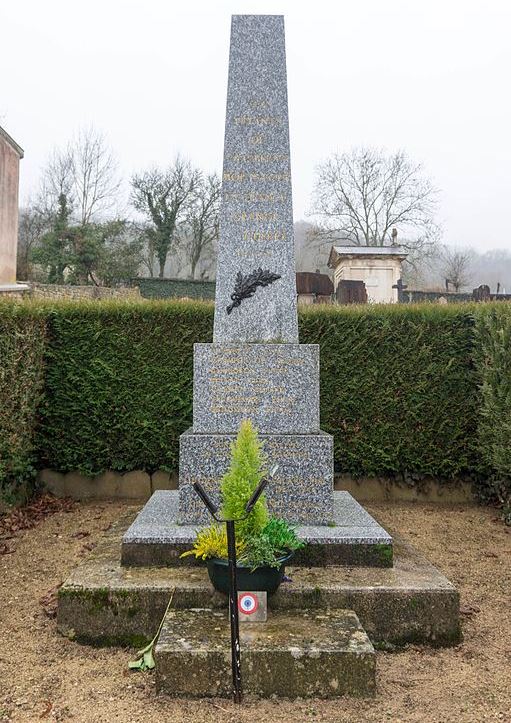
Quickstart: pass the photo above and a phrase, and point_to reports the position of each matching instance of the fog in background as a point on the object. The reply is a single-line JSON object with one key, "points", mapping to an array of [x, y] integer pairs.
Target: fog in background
{"points": [[429, 77]]}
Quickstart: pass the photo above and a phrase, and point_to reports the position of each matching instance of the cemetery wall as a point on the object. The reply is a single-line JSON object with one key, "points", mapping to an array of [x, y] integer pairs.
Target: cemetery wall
{"points": [[72, 292], [410, 392], [414, 296]]}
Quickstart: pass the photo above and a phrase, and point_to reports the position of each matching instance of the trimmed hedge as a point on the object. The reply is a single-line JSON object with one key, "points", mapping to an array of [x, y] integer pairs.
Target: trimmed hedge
{"points": [[493, 345], [398, 388], [22, 345], [407, 391], [119, 384]]}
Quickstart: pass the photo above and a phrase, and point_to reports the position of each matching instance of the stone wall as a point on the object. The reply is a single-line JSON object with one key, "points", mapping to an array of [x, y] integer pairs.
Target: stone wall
{"points": [[137, 484], [70, 292], [13, 291], [140, 485], [411, 296], [151, 288]]}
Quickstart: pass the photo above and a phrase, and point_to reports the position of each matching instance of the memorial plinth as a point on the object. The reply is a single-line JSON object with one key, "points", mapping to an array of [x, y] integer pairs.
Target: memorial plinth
{"points": [[256, 369]]}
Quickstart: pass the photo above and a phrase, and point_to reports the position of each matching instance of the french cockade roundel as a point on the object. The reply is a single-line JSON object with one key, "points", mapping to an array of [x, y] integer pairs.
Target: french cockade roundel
{"points": [[248, 603]]}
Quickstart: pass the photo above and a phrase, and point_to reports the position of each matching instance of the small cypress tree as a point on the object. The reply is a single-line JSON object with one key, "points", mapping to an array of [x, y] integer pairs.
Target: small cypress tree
{"points": [[238, 484]]}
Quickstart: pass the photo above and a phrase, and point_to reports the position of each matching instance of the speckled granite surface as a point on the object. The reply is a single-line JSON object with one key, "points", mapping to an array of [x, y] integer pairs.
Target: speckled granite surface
{"points": [[255, 368], [351, 524], [302, 490], [276, 385], [256, 221]]}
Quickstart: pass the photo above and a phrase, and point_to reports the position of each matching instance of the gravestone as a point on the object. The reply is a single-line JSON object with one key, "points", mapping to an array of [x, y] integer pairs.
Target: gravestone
{"points": [[255, 368]]}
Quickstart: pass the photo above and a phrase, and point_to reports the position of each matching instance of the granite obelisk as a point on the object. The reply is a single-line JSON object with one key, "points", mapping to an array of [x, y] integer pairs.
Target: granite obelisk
{"points": [[257, 213], [255, 367]]}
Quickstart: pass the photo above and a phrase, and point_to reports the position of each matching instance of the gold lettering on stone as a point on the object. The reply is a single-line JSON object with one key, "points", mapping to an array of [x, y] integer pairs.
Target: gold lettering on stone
{"points": [[242, 383], [277, 235], [257, 120], [257, 216]]}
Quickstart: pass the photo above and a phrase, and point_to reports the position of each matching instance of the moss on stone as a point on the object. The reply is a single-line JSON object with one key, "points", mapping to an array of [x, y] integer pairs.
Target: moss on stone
{"points": [[124, 640], [384, 553]]}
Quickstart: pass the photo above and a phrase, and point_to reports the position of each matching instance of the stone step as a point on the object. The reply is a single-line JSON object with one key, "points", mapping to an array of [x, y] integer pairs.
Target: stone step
{"points": [[294, 654], [353, 538], [104, 603]]}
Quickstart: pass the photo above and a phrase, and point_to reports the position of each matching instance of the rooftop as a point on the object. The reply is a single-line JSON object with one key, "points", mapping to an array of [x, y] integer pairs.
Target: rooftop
{"points": [[19, 150], [367, 251]]}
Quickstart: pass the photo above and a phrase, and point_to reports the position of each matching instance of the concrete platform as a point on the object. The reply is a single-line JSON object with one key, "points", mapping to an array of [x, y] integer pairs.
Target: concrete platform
{"points": [[354, 537], [105, 603], [294, 654]]}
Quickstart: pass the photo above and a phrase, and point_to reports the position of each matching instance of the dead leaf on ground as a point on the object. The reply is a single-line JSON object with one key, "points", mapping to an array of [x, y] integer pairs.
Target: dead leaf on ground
{"points": [[469, 610], [47, 710], [88, 547], [81, 534], [49, 602]]}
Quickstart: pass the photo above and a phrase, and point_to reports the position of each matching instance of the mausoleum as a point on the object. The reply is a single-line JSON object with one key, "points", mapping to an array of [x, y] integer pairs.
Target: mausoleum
{"points": [[379, 267]]}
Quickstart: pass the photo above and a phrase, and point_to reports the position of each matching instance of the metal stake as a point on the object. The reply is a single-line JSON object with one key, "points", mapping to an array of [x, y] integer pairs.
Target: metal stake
{"points": [[233, 583], [233, 613]]}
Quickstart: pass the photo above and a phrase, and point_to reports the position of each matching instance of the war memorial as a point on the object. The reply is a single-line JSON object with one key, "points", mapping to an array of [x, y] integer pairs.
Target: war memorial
{"points": [[353, 586]]}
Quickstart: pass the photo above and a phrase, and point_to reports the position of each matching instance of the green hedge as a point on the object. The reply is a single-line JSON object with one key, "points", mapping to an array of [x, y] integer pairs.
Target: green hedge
{"points": [[22, 345], [493, 345], [407, 391], [398, 388], [119, 383]]}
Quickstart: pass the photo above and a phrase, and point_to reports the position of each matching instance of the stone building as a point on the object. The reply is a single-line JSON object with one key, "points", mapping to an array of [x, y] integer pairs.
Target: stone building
{"points": [[10, 155], [378, 267]]}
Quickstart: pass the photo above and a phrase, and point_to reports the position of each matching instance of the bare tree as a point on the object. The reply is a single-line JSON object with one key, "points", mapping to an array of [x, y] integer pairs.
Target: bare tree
{"points": [[148, 252], [202, 220], [95, 175], [33, 224], [362, 195], [57, 179], [85, 171], [456, 266], [162, 195], [311, 249]]}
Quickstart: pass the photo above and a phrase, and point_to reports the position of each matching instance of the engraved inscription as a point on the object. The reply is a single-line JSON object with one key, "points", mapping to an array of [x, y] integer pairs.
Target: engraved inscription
{"points": [[276, 385]]}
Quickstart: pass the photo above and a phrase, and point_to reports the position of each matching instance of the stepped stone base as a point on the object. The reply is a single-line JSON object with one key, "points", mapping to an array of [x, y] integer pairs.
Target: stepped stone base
{"points": [[293, 654], [301, 492], [106, 604], [353, 538]]}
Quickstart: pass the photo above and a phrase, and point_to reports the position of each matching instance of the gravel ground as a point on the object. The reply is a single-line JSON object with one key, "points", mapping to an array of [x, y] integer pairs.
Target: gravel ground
{"points": [[46, 677]]}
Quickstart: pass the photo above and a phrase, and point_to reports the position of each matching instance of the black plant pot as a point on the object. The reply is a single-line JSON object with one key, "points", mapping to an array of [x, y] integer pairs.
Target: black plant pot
{"points": [[262, 579]]}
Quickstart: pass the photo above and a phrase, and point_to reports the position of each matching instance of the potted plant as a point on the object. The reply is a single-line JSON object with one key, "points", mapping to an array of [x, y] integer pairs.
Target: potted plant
{"points": [[264, 544]]}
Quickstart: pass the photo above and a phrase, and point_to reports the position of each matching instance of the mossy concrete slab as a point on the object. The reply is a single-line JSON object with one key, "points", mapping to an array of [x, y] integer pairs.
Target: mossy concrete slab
{"points": [[104, 603], [305, 653]]}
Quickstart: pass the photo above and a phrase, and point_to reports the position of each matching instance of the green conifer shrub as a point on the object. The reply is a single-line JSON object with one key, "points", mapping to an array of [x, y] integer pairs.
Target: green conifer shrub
{"points": [[245, 472]]}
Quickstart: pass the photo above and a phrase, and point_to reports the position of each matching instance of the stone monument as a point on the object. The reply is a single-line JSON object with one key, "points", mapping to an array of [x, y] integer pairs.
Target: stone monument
{"points": [[317, 637], [255, 367]]}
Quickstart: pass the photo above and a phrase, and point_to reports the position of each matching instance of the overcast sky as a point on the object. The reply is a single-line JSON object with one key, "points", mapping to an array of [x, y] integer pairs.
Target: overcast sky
{"points": [[431, 77]]}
